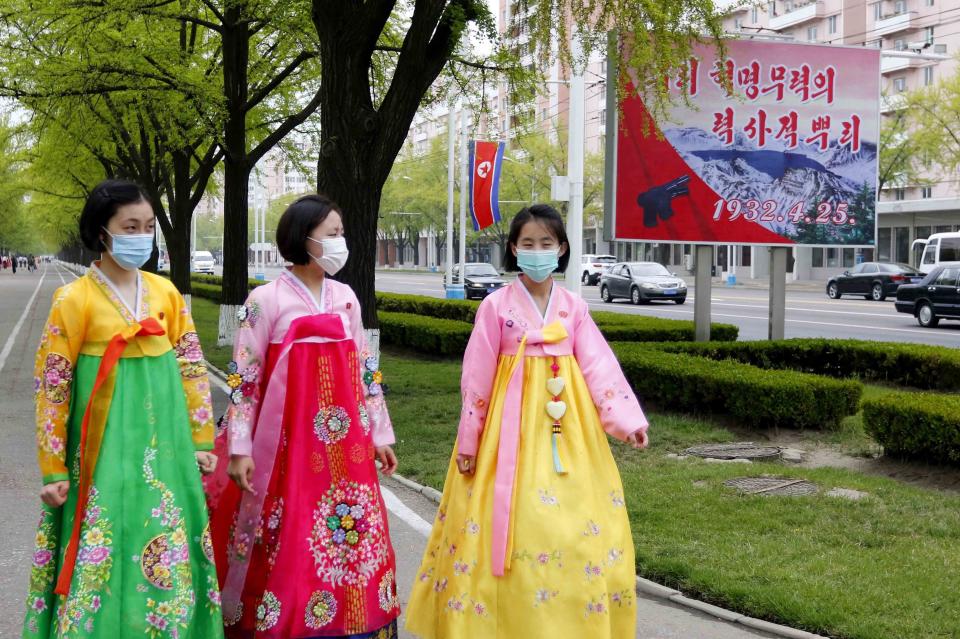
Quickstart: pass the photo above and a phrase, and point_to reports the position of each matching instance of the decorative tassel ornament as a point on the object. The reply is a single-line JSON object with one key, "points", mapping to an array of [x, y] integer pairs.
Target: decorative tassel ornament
{"points": [[556, 409]]}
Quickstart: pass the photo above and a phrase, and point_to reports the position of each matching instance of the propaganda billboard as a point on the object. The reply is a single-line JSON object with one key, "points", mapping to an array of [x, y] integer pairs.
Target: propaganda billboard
{"points": [[783, 152]]}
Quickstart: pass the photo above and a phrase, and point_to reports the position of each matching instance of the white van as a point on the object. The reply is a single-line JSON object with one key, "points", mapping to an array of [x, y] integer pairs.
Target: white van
{"points": [[939, 247]]}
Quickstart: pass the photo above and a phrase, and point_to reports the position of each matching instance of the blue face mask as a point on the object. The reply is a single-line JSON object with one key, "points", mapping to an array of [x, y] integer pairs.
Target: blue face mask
{"points": [[130, 252], [538, 265]]}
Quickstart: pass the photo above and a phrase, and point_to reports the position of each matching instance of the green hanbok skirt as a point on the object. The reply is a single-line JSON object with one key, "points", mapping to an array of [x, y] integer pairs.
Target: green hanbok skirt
{"points": [[144, 566]]}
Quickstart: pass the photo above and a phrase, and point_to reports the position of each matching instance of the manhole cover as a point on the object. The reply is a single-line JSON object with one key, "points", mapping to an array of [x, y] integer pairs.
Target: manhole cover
{"points": [[786, 486], [736, 450]]}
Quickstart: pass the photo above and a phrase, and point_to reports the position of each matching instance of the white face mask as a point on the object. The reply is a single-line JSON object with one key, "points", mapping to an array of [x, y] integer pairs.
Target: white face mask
{"points": [[335, 254]]}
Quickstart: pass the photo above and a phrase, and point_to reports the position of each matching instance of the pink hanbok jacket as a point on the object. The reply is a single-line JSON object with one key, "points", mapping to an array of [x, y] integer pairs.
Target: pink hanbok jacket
{"points": [[265, 319], [501, 323]]}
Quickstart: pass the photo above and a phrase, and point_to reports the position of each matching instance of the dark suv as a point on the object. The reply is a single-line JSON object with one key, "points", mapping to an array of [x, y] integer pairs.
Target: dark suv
{"points": [[935, 297]]}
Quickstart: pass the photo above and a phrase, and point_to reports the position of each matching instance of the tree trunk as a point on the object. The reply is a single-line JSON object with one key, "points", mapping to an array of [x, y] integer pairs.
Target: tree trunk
{"points": [[178, 247], [236, 170]]}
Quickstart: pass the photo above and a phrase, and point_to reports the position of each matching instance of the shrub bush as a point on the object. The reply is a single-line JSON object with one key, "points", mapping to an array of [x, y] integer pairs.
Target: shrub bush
{"points": [[430, 335], [918, 366], [756, 397], [614, 326], [915, 425]]}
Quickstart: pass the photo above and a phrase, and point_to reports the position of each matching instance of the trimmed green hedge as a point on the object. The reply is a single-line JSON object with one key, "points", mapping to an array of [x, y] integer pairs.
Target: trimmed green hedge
{"points": [[614, 326], [914, 365], [429, 335], [915, 425], [756, 397]]}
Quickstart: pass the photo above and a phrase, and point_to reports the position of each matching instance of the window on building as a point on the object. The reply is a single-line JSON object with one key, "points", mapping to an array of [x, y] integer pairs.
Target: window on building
{"points": [[940, 48], [816, 258], [737, 24], [849, 257], [877, 10], [899, 85], [772, 8], [899, 7], [811, 34], [926, 192], [929, 3], [833, 258], [603, 117], [899, 194], [832, 24], [754, 14], [884, 237], [900, 45], [788, 5], [928, 35], [927, 76]]}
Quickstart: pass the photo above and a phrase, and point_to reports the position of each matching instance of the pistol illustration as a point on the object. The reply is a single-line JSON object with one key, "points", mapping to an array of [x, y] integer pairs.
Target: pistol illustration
{"points": [[655, 202]]}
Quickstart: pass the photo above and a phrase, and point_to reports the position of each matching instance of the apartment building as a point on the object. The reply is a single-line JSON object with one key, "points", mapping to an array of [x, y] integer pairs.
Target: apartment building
{"points": [[921, 38]]}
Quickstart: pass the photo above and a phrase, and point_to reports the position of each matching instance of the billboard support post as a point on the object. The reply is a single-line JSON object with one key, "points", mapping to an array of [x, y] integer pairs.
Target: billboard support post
{"points": [[778, 291], [702, 292]]}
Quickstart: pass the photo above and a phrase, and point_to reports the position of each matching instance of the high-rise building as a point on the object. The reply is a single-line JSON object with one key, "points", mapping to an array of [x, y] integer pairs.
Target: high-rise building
{"points": [[921, 38]]}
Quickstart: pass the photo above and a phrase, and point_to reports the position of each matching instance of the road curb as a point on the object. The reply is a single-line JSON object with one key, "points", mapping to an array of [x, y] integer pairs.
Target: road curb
{"points": [[644, 586]]}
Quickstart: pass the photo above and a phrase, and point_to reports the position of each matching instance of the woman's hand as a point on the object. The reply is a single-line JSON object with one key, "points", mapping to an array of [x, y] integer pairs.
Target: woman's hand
{"points": [[387, 459], [639, 439], [206, 462], [240, 470], [55, 493], [466, 464]]}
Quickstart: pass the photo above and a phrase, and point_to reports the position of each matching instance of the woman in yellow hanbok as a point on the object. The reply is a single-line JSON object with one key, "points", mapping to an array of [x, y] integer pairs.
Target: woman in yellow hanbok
{"points": [[532, 537]]}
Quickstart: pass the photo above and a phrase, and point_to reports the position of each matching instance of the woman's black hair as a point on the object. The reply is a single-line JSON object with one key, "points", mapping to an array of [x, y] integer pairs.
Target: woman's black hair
{"points": [[298, 221], [101, 205], [550, 218]]}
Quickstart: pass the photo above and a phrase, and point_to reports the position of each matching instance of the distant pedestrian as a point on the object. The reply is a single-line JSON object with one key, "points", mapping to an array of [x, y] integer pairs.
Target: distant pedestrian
{"points": [[124, 419], [532, 537]]}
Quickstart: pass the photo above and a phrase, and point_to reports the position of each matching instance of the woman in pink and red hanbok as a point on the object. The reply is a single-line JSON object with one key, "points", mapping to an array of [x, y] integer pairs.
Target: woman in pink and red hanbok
{"points": [[300, 535]]}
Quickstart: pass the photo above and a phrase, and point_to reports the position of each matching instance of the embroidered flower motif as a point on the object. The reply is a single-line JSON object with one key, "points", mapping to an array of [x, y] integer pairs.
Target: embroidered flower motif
{"points": [[622, 598], [232, 367], [543, 596], [455, 604], [592, 529], [94, 565], [548, 497], [614, 556], [234, 380], [440, 585], [616, 498], [249, 314], [57, 375], [190, 356], [348, 549], [479, 609], [364, 418], [268, 612], [592, 570], [595, 607], [387, 593], [331, 424], [472, 527], [237, 615], [321, 609]]}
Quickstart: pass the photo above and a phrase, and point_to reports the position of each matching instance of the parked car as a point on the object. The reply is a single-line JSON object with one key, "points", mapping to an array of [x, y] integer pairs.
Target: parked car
{"points": [[202, 262], [872, 280], [935, 297], [641, 282], [479, 279], [593, 267]]}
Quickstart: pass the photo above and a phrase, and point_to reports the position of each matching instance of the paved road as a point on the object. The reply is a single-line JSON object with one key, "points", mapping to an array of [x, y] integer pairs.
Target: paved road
{"points": [[26, 300], [809, 312]]}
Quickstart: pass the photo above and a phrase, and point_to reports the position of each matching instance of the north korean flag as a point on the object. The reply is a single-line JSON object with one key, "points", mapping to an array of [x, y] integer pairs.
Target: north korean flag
{"points": [[486, 159]]}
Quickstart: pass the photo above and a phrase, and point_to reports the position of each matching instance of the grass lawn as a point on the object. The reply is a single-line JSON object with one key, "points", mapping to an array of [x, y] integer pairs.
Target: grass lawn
{"points": [[883, 568], [886, 567], [206, 316]]}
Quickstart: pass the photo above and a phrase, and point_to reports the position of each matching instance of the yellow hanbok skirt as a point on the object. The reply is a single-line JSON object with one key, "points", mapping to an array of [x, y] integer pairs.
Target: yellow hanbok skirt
{"points": [[571, 561]]}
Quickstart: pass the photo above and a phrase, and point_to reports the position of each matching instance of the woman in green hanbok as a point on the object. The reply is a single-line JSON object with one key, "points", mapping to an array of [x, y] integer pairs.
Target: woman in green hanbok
{"points": [[124, 420]]}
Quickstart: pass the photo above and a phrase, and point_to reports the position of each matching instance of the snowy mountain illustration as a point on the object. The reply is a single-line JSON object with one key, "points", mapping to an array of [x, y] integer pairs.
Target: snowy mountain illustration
{"points": [[805, 174]]}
